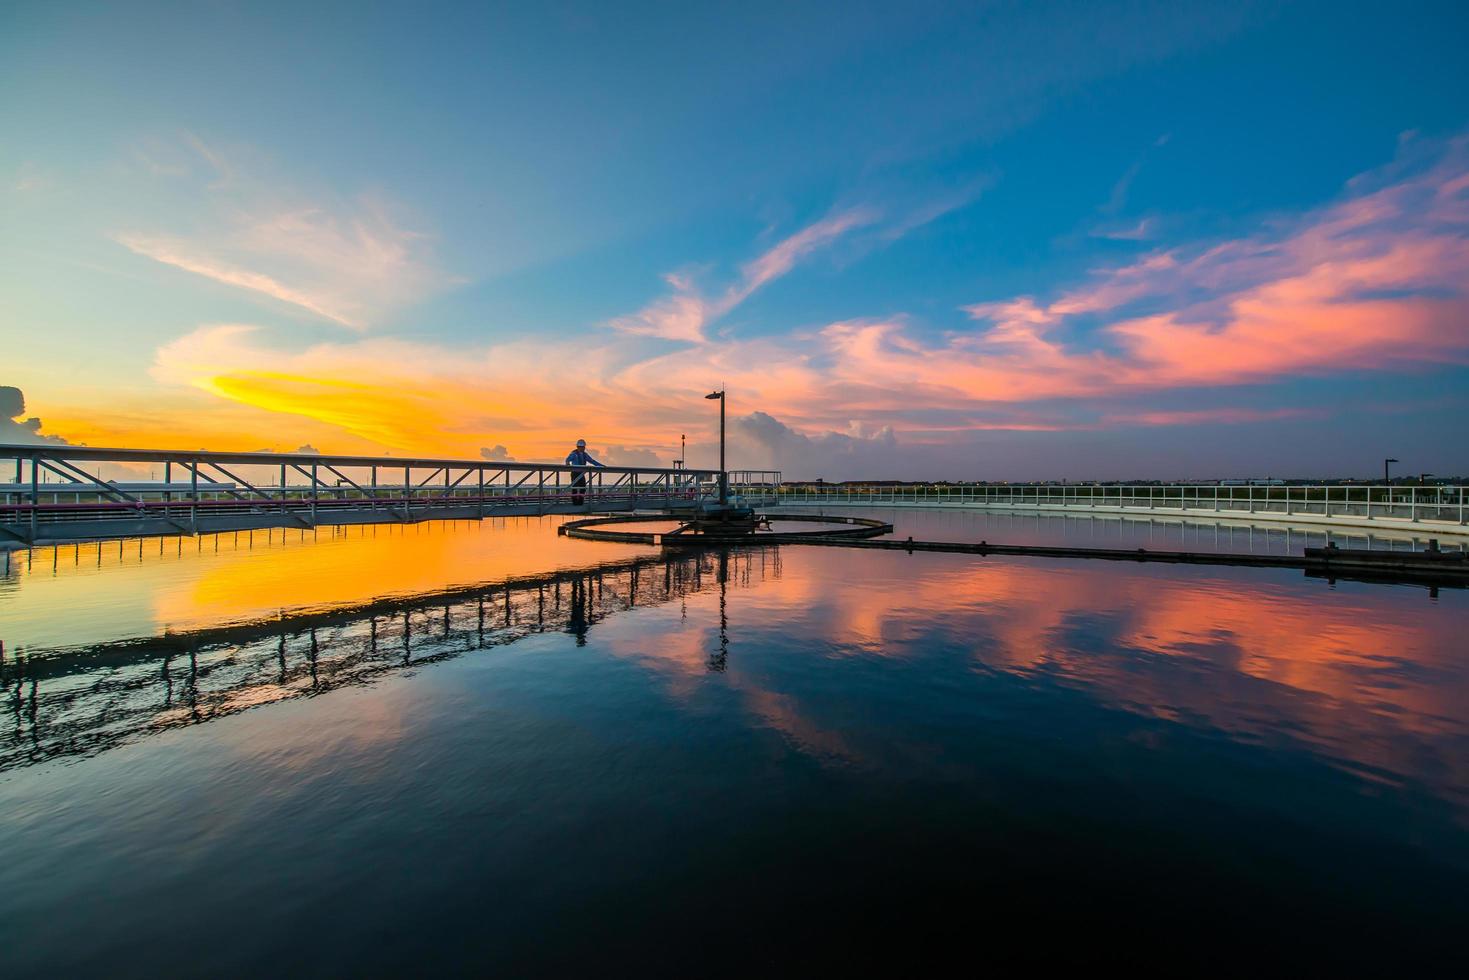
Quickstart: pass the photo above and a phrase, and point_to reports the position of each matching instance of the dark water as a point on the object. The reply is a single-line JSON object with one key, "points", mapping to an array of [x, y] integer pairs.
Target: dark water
{"points": [[486, 749]]}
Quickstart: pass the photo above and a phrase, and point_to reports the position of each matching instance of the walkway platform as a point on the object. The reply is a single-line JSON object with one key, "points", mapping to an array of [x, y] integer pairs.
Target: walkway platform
{"points": [[63, 494]]}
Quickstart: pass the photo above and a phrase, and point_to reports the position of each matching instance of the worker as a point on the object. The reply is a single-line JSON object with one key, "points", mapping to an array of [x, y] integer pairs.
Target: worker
{"points": [[580, 457]]}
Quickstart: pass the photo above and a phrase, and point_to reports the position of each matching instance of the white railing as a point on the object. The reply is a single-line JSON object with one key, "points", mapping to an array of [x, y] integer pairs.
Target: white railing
{"points": [[1428, 507]]}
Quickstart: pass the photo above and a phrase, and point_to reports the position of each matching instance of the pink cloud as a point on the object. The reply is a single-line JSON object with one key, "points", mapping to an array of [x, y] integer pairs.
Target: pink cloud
{"points": [[1374, 281], [1208, 416]]}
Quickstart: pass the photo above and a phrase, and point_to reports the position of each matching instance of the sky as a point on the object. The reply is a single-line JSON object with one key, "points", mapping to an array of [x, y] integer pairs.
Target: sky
{"points": [[999, 241]]}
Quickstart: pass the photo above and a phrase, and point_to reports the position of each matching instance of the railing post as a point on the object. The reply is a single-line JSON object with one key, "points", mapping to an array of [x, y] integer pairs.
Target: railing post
{"points": [[35, 494]]}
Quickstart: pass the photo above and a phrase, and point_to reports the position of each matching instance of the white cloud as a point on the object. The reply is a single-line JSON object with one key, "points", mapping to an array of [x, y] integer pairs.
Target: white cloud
{"points": [[346, 261], [185, 256], [761, 441], [625, 456], [687, 313]]}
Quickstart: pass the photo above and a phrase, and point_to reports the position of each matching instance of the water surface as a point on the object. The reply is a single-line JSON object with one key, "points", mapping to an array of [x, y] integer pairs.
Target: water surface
{"points": [[487, 748]]}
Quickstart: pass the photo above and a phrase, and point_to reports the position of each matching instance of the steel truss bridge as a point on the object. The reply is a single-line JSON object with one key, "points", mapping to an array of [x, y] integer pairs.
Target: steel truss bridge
{"points": [[84, 700], [78, 493], [1427, 510]]}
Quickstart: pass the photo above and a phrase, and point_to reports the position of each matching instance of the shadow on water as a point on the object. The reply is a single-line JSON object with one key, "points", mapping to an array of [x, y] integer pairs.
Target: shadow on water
{"points": [[83, 700]]}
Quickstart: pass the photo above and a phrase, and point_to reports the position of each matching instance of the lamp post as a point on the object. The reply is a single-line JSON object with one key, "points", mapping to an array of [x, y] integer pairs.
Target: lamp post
{"points": [[1387, 471], [723, 476]]}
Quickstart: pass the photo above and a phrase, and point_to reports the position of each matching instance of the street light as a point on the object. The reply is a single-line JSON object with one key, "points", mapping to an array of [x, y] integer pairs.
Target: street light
{"points": [[1387, 471], [723, 476]]}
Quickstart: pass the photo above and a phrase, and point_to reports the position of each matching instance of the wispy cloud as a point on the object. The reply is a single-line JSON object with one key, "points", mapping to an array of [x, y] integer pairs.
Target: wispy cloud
{"points": [[1117, 200], [348, 262], [688, 312], [30, 179], [1134, 231], [181, 255]]}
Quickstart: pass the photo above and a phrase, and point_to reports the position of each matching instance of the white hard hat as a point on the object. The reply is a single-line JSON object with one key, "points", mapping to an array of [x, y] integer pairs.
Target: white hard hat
{"points": [[581, 444]]}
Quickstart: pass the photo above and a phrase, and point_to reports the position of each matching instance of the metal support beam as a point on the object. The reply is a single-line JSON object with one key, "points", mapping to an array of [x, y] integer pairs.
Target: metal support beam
{"points": [[95, 508]]}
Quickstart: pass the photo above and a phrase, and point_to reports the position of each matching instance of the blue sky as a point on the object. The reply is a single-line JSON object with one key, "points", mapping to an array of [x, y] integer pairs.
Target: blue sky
{"points": [[1237, 227]]}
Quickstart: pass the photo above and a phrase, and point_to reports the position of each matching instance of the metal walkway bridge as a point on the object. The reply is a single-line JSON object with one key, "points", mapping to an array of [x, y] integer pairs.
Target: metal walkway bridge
{"points": [[78, 493], [1420, 510], [62, 494]]}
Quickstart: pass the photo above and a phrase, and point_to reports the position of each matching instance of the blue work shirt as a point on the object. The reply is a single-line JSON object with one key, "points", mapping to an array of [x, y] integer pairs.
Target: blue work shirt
{"points": [[580, 457]]}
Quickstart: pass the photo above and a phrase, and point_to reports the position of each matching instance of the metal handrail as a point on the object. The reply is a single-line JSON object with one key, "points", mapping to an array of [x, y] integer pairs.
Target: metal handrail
{"points": [[302, 487], [1436, 505], [106, 455]]}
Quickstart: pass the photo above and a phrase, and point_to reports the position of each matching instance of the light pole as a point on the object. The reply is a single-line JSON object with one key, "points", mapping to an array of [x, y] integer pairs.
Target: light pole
{"points": [[1387, 471], [723, 476]]}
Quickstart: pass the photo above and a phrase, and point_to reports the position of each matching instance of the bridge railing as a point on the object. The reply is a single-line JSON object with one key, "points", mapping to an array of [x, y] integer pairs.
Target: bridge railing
{"points": [[755, 487], [1427, 504], [192, 491]]}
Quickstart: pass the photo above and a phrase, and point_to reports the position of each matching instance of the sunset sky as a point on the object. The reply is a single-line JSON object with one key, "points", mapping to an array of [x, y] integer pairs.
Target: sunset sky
{"points": [[1012, 241]]}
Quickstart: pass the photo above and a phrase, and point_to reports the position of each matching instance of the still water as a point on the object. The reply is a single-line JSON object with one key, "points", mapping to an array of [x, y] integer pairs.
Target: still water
{"points": [[484, 747]]}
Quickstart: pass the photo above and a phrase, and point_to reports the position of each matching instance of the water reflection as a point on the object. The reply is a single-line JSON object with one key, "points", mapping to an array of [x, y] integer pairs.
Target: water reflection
{"points": [[82, 700], [97, 592], [1369, 679]]}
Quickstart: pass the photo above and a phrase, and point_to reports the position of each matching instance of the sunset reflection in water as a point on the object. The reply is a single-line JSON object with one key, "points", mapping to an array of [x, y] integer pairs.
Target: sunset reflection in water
{"points": [[1370, 676]]}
